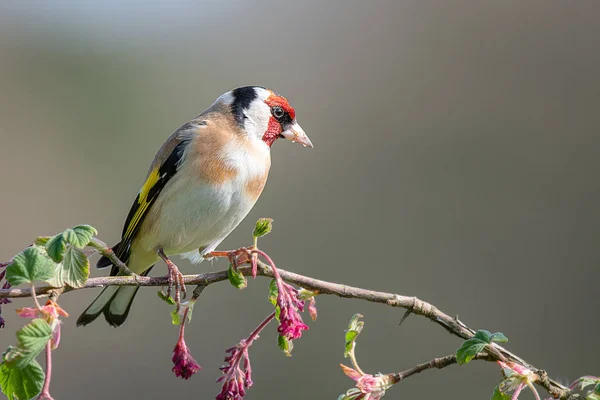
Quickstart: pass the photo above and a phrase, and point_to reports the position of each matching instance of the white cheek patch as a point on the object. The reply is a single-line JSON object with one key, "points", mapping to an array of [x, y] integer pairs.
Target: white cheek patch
{"points": [[257, 118]]}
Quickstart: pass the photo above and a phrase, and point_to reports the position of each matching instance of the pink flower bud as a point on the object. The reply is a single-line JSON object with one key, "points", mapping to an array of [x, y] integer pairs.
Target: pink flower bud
{"points": [[184, 364], [27, 312], [312, 308]]}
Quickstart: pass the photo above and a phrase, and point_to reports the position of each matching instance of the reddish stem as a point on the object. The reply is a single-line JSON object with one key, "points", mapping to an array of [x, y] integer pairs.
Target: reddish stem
{"points": [[182, 325], [258, 329], [251, 338], [45, 394], [266, 256]]}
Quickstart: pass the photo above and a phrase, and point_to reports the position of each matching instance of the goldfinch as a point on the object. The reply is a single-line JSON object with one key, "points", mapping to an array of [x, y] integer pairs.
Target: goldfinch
{"points": [[201, 184]]}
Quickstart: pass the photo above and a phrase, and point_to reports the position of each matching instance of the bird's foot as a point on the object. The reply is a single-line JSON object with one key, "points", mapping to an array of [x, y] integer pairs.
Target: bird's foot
{"points": [[175, 279], [239, 257]]}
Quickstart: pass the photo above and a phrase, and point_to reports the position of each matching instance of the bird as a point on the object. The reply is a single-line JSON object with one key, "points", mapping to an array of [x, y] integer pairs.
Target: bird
{"points": [[202, 183]]}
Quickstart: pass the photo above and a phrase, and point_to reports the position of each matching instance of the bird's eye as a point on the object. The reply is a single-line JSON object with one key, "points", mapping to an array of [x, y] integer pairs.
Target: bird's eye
{"points": [[277, 112]]}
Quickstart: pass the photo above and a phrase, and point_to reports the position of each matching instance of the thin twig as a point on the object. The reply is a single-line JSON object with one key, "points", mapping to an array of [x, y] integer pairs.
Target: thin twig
{"points": [[439, 363], [198, 291], [110, 254]]}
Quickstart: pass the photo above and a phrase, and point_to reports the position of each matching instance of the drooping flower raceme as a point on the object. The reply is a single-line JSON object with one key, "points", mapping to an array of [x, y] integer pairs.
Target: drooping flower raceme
{"points": [[184, 365], [291, 324], [285, 298], [237, 372]]}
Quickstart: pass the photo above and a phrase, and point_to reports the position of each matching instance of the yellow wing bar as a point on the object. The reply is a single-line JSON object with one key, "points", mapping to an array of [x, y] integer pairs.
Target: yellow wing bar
{"points": [[142, 202]]}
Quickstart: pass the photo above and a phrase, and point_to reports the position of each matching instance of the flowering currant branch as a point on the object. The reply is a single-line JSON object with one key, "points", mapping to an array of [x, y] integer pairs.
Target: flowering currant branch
{"points": [[62, 261]]}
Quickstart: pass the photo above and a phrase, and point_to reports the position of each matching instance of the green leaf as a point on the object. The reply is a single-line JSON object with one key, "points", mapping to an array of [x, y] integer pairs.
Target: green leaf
{"points": [[305, 294], [168, 299], [32, 338], [81, 235], [285, 345], [78, 237], [190, 311], [499, 337], [483, 335], [236, 278], [21, 383], [354, 328], [42, 240], [500, 395], [75, 267], [30, 265], [469, 350], [57, 280], [175, 317], [56, 247], [263, 227], [586, 381], [273, 292], [488, 337]]}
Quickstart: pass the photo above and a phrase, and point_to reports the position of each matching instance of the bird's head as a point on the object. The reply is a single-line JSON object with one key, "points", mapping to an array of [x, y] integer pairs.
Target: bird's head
{"points": [[265, 115]]}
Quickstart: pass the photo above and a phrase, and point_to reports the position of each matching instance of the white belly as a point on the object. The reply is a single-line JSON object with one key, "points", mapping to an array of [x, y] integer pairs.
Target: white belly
{"points": [[199, 216]]}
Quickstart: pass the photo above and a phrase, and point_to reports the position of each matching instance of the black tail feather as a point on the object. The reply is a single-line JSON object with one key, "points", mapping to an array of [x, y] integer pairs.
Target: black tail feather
{"points": [[103, 262], [113, 319], [118, 319], [102, 304]]}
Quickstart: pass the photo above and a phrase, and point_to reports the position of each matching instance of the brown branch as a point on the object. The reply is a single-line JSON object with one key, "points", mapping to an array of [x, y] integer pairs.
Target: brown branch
{"points": [[439, 363], [412, 304]]}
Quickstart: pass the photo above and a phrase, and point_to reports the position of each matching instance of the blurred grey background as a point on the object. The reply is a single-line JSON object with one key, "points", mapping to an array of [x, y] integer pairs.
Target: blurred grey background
{"points": [[456, 159]]}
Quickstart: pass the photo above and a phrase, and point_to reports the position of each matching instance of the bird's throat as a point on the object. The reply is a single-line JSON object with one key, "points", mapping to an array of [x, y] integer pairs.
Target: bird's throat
{"points": [[272, 133]]}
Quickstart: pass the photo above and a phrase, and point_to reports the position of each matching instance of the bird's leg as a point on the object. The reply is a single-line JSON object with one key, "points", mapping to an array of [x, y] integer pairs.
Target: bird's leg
{"points": [[175, 278], [238, 257]]}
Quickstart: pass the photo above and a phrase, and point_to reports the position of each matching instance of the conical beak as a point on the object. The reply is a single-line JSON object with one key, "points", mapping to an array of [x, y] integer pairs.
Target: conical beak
{"points": [[296, 134]]}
